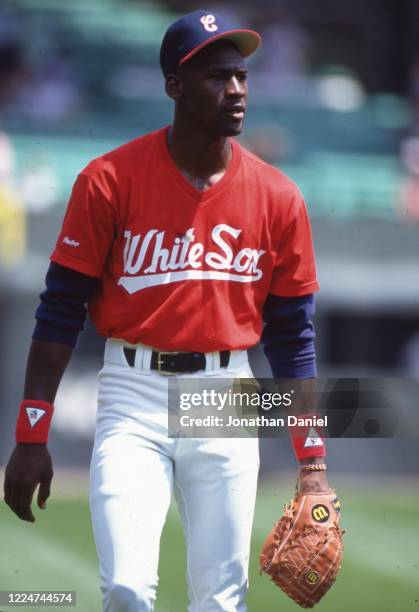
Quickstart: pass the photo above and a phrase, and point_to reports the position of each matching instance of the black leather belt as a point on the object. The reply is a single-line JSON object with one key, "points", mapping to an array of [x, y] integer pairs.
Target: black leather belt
{"points": [[176, 363]]}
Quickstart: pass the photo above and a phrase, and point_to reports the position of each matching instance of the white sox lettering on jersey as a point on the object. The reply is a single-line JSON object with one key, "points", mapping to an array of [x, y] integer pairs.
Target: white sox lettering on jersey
{"points": [[185, 259], [180, 268]]}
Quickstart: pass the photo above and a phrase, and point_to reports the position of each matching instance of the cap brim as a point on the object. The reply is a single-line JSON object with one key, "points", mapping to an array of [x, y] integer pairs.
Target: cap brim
{"points": [[247, 42]]}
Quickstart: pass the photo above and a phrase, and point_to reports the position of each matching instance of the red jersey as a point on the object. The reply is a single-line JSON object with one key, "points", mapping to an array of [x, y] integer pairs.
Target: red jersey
{"points": [[183, 269]]}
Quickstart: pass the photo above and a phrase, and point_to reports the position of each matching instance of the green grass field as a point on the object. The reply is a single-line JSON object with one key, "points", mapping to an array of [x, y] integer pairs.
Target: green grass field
{"points": [[380, 572]]}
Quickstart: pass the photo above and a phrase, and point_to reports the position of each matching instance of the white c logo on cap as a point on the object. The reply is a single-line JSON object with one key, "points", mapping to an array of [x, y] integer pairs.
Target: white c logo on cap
{"points": [[208, 21]]}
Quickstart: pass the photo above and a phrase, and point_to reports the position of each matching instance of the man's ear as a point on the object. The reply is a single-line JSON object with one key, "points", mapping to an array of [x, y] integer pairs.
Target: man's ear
{"points": [[173, 86]]}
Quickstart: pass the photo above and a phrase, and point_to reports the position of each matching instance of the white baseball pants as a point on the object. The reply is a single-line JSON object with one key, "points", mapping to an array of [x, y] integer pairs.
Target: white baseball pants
{"points": [[134, 470]]}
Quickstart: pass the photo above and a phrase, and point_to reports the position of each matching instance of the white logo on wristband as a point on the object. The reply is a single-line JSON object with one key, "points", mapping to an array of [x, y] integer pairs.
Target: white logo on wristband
{"points": [[34, 415], [313, 439]]}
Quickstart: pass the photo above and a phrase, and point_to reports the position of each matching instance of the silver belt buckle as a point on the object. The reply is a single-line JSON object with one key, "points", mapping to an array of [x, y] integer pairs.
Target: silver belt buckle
{"points": [[159, 362]]}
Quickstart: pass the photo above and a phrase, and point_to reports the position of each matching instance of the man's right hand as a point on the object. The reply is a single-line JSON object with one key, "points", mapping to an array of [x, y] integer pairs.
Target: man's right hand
{"points": [[29, 465]]}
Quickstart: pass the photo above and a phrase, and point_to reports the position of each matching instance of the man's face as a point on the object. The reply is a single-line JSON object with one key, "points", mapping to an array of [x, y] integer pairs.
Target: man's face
{"points": [[212, 90]]}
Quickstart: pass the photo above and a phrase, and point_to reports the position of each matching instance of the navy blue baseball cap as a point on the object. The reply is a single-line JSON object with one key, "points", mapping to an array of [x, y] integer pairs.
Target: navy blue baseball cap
{"points": [[194, 31]]}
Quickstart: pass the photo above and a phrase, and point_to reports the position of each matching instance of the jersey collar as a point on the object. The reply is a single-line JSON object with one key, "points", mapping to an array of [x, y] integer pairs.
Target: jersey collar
{"points": [[192, 191]]}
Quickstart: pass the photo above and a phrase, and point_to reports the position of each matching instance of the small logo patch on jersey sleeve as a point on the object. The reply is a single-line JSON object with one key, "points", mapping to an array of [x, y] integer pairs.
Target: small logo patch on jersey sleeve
{"points": [[71, 242]]}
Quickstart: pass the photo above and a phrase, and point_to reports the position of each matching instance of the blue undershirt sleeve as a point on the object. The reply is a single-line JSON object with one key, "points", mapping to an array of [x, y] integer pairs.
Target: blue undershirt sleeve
{"points": [[288, 336], [62, 312]]}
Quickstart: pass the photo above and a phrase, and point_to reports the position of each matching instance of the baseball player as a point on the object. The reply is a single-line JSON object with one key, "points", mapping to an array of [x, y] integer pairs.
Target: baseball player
{"points": [[182, 243]]}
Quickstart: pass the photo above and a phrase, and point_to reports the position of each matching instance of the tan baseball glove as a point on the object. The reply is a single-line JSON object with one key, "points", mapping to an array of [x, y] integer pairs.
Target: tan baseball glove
{"points": [[303, 552]]}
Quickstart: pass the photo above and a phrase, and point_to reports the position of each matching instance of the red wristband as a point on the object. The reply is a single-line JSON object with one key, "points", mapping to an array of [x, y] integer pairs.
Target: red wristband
{"points": [[33, 421], [307, 436]]}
